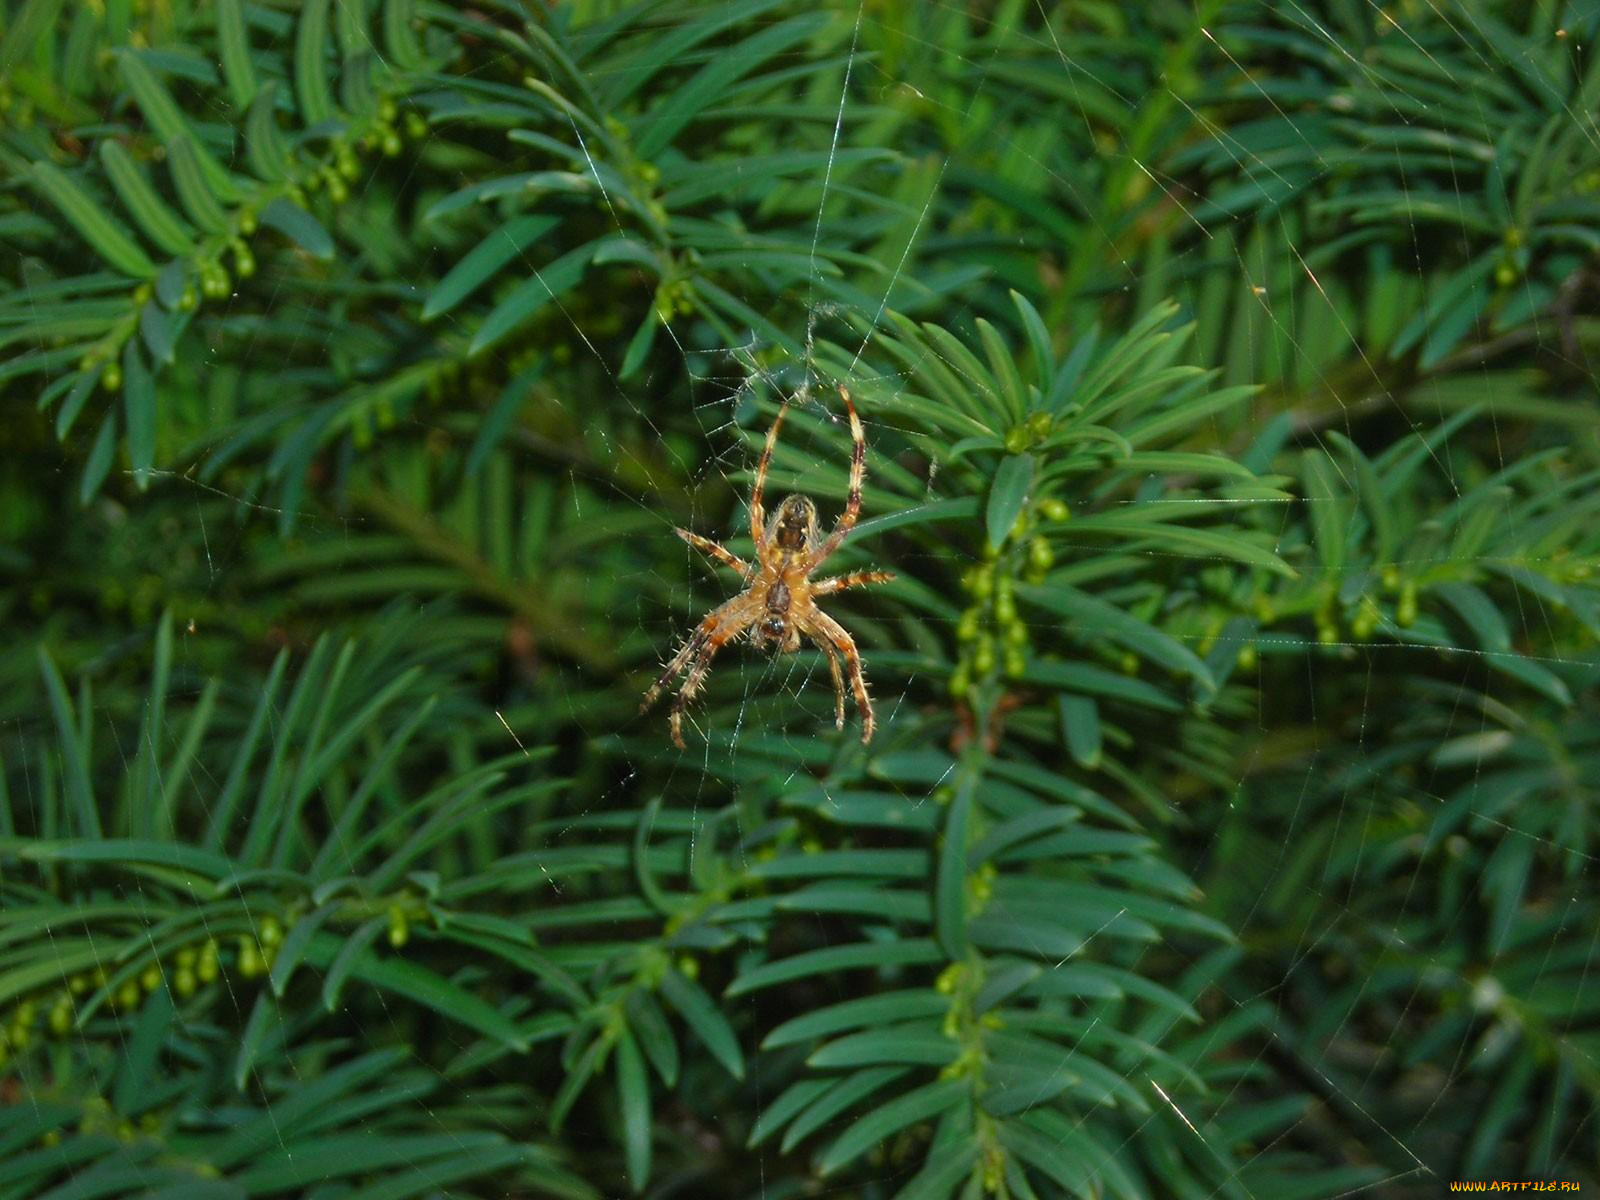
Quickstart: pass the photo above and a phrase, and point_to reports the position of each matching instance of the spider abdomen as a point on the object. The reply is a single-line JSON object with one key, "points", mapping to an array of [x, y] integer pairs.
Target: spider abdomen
{"points": [[775, 622]]}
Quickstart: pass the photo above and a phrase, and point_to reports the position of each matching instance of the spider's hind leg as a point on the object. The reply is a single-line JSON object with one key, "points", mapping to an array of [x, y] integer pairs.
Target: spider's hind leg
{"points": [[720, 627], [826, 647], [820, 625]]}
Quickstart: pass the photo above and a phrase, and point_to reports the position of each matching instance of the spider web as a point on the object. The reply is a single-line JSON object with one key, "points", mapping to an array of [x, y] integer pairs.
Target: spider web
{"points": [[793, 695]]}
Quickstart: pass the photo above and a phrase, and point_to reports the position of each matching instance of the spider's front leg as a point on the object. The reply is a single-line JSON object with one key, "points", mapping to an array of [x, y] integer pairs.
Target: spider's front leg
{"points": [[838, 583], [715, 550]]}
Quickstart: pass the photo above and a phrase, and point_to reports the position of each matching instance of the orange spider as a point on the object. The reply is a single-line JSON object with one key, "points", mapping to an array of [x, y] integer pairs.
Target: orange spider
{"points": [[778, 605]]}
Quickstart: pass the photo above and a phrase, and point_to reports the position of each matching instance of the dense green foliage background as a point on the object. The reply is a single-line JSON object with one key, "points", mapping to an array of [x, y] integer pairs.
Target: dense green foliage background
{"points": [[1232, 824]]}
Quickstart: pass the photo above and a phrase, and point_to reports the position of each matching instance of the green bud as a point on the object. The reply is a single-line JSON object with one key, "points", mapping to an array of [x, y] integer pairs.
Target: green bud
{"points": [[250, 963], [983, 657], [270, 930], [1405, 613], [150, 977], [111, 377], [416, 124], [960, 682], [391, 143], [1055, 510], [1016, 663], [1017, 440], [1040, 556], [967, 626], [399, 927]]}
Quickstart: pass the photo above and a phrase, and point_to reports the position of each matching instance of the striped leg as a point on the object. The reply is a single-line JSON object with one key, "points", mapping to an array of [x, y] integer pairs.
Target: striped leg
{"points": [[826, 647], [720, 626], [723, 555], [819, 623], [758, 514], [827, 587], [699, 668], [858, 471]]}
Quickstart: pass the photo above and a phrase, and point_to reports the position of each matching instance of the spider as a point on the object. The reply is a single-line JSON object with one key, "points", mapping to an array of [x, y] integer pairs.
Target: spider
{"points": [[779, 603]]}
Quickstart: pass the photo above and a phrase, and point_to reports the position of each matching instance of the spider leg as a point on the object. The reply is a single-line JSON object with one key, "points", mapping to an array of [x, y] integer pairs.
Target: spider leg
{"points": [[758, 514], [819, 624], [858, 471], [826, 647], [827, 587], [716, 621], [720, 627], [695, 680], [723, 555]]}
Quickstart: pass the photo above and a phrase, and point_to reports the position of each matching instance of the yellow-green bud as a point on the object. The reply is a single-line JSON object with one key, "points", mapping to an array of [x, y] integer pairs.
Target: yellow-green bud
{"points": [[1406, 611], [960, 682], [983, 657], [1040, 556], [967, 626]]}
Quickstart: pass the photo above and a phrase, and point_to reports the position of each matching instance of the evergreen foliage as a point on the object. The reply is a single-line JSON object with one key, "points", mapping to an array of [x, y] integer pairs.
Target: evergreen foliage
{"points": [[1232, 821]]}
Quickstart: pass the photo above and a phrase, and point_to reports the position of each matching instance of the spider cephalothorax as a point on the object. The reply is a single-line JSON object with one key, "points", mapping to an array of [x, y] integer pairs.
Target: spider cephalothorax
{"points": [[778, 606]]}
